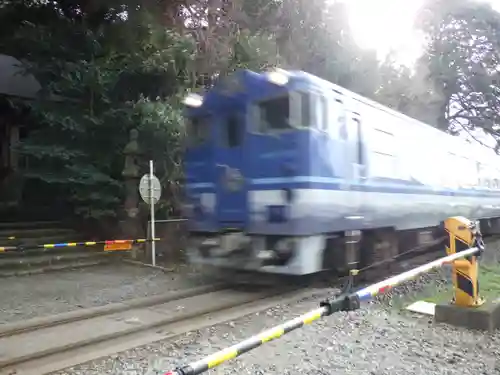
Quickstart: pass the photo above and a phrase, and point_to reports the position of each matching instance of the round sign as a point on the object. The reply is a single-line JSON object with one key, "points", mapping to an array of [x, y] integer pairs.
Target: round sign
{"points": [[145, 191]]}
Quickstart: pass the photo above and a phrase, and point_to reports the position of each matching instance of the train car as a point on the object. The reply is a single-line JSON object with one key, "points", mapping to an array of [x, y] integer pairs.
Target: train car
{"points": [[287, 173]]}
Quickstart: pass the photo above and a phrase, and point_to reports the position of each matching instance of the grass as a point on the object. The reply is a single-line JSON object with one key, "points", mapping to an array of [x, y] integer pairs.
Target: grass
{"points": [[489, 287]]}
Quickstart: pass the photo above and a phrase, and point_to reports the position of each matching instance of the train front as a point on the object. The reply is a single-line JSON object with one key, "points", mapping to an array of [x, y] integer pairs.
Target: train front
{"points": [[246, 145]]}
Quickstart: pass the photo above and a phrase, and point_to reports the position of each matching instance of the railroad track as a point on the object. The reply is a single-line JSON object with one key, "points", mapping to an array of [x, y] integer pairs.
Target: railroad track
{"points": [[42, 346]]}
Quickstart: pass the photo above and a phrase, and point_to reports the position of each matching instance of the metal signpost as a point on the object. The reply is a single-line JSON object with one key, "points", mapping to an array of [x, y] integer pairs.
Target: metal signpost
{"points": [[150, 190]]}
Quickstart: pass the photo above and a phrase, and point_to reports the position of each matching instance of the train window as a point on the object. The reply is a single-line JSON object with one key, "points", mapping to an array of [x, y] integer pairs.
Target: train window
{"points": [[232, 132], [302, 109], [285, 112], [274, 114], [466, 172], [383, 141], [483, 182], [323, 107], [198, 131], [480, 170], [339, 120], [305, 110], [452, 177], [359, 141]]}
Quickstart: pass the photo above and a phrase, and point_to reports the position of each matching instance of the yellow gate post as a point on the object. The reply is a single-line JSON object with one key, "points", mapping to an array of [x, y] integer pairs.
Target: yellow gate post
{"points": [[464, 234]]}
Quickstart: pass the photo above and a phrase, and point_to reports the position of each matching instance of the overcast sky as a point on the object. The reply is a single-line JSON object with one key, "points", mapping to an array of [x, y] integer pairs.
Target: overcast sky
{"points": [[388, 24]]}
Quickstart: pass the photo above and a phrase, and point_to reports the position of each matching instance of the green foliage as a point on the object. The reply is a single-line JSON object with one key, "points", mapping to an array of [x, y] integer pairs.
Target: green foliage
{"points": [[410, 92], [315, 36], [161, 128], [100, 82], [462, 57], [109, 66]]}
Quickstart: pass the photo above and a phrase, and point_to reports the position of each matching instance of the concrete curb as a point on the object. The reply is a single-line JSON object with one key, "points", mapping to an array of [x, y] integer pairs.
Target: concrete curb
{"points": [[484, 318], [49, 321]]}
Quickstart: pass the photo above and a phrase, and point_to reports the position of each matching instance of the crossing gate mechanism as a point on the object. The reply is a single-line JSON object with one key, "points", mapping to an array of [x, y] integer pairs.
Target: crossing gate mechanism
{"points": [[464, 246], [109, 245], [464, 234]]}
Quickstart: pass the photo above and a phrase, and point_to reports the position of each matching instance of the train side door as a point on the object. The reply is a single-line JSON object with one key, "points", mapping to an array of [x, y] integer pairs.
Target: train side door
{"points": [[338, 130], [230, 174], [346, 128], [357, 151]]}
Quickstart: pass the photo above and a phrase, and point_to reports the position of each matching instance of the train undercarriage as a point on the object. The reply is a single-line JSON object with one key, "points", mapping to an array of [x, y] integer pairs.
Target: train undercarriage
{"points": [[233, 253]]}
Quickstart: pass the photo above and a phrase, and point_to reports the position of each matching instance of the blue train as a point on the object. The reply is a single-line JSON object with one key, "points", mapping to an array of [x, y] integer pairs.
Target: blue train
{"points": [[288, 173]]}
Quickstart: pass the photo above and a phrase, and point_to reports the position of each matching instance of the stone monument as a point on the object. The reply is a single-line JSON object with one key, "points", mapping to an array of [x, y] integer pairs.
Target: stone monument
{"points": [[131, 225]]}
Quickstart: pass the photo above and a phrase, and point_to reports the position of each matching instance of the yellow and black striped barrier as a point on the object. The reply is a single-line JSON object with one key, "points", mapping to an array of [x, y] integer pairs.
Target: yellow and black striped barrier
{"points": [[109, 245], [255, 341], [462, 235], [4, 249], [457, 227]]}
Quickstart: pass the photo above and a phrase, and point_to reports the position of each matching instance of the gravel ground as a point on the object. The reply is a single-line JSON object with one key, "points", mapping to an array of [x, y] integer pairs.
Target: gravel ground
{"points": [[492, 251], [374, 340], [57, 292]]}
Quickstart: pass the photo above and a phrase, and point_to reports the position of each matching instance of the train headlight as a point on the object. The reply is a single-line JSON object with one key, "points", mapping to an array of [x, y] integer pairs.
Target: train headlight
{"points": [[278, 77], [193, 100]]}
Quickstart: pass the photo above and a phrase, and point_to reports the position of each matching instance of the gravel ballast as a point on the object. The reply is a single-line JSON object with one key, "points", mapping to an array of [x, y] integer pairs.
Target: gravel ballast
{"points": [[40, 295], [374, 340]]}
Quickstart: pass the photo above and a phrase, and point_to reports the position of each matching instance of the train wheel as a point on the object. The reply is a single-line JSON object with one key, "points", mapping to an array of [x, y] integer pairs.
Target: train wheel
{"points": [[378, 246], [342, 252]]}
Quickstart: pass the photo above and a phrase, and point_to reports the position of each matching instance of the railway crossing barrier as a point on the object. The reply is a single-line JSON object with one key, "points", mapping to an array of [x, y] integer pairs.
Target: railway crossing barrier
{"points": [[465, 270], [109, 245], [464, 236]]}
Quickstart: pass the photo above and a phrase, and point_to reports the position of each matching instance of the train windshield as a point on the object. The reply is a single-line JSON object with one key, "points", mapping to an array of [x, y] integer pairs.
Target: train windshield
{"points": [[283, 113], [198, 131]]}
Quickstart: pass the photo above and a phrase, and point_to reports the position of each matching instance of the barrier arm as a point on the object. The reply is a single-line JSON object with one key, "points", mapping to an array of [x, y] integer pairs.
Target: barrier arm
{"points": [[75, 244], [4, 249], [344, 302], [464, 234]]}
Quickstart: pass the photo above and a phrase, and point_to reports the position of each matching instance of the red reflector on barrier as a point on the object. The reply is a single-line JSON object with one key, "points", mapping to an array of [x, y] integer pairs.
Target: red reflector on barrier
{"points": [[117, 245]]}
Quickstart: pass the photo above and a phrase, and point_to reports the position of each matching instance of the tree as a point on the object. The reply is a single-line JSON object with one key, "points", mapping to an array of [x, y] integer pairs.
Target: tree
{"points": [[462, 56], [409, 91], [109, 76], [116, 65]]}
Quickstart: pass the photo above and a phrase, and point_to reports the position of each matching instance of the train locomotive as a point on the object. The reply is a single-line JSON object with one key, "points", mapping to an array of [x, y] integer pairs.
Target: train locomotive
{"points": [[289, 174]]}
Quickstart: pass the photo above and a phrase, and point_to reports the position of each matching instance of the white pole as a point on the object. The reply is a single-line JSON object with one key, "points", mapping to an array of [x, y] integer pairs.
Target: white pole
{"points": [[152, 204]]}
